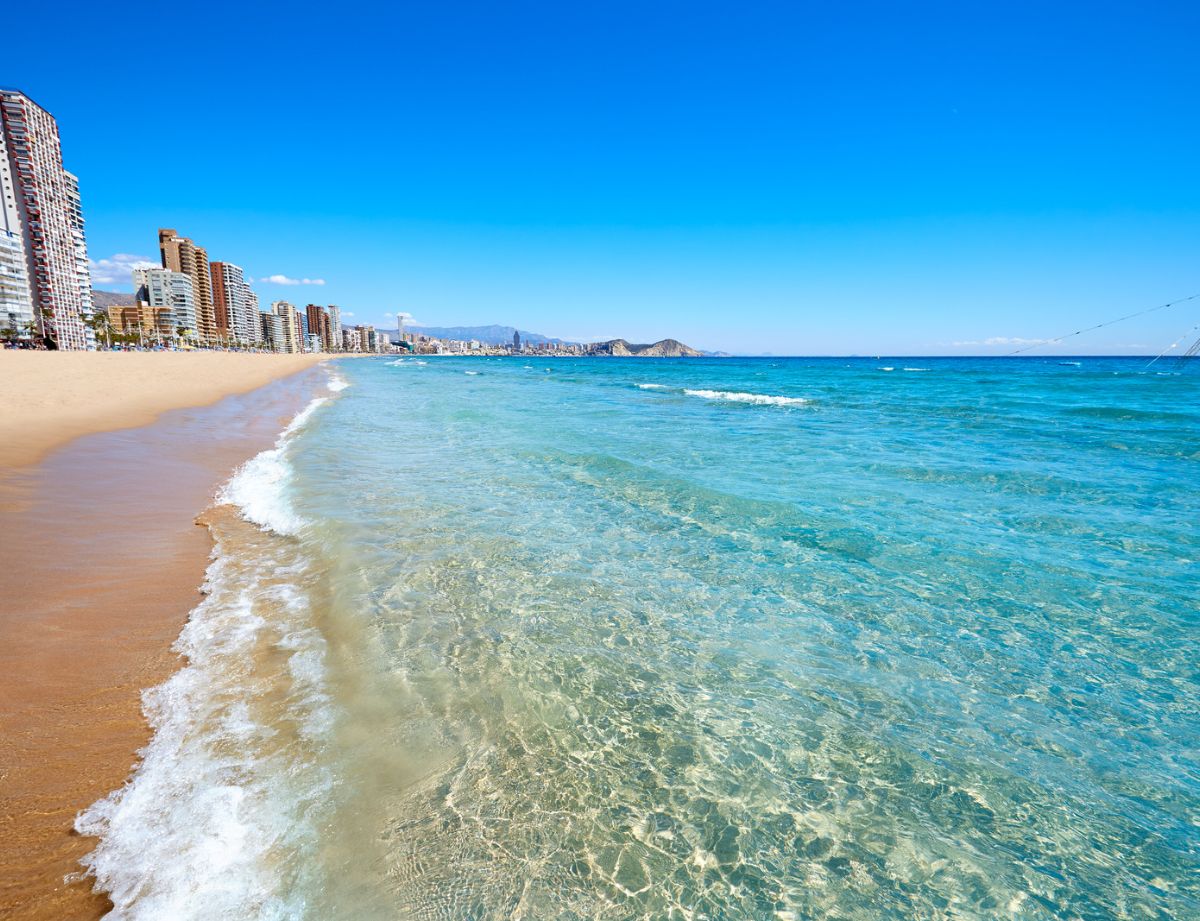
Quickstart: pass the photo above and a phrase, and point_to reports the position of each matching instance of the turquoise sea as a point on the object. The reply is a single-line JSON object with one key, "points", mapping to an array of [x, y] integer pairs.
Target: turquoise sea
{"points": [[696, 639]]}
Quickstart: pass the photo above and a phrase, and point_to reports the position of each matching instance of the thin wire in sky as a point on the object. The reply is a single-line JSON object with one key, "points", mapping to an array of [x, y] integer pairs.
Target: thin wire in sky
{"points": [[1128, 316]]}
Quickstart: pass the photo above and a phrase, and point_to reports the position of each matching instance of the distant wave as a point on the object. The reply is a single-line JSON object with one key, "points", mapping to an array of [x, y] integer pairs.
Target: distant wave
{"points": [[470, 372], [887, 368], [915, 369], [651, 386], [734, 396]]}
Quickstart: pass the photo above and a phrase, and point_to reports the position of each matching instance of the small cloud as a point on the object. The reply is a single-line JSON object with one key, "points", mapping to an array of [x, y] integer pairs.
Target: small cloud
{"points": [[389, 315], [1004, 340], [284, 280], [117, 270], [347, 313]]}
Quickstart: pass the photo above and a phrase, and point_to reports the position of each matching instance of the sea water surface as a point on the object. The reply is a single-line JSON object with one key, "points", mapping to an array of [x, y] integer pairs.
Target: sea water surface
{"points": [[697, 639]]}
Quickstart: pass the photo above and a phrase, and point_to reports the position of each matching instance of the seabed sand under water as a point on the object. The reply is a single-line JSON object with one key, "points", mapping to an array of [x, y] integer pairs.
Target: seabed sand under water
{"points": [[600, 644]]}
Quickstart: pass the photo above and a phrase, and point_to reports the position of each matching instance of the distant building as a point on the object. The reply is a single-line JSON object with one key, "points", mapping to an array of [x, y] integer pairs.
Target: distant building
{"points": [[141, 318], [44, 279], [172, 290], [335, 327], [293, 337], [273, 332], [235, 305], [516, 341], [318, 326], [179, 254]]}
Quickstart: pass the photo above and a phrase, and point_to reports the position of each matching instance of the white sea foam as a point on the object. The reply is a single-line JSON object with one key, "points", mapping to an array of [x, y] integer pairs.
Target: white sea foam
{"points": [[259, 487], [652, 386], [915, 369], [337, 383], [217, 806], [888, 368], [470, 372], [732, 396]]}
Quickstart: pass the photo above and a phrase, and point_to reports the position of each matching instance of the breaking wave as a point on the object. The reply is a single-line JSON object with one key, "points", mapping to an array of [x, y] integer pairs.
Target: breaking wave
{"points": [[733, 396]]}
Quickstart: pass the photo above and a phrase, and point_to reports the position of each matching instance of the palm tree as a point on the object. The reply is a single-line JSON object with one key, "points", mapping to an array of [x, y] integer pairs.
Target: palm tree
{"points": [[101, 325]]}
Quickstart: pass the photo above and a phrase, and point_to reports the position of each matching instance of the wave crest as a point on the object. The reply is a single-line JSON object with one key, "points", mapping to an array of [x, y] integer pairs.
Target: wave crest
{"points": [[733, 396]]}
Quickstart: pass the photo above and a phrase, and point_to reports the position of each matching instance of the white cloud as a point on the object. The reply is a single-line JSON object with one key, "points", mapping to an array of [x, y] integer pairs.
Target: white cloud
{"points": [[284, 280], [1004, 340], [347, 313], [116, 271]]}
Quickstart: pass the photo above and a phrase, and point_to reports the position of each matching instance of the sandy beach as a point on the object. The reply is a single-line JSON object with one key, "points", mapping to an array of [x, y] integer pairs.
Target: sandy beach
{"points": [[103, 562], [53, 397]]}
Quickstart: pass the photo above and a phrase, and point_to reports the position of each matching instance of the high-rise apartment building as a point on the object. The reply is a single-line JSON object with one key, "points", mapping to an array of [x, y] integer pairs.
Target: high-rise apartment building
{"points": [[179, 254], [335, 327], [273, 333], [293, 336], [45, 284], [318, 325], [235, 305], [166, 288]]}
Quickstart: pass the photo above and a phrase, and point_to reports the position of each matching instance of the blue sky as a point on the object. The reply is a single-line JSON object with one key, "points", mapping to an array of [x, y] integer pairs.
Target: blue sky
{"points": [[796, 178]]}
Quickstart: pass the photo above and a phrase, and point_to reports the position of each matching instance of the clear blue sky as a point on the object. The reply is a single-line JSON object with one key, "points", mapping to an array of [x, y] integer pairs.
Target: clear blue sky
{"points": [[796, 178]]}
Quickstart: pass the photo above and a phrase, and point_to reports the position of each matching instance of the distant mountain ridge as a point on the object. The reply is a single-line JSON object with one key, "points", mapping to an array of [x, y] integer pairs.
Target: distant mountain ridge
{"points": [[489, 335], [111, 298]]}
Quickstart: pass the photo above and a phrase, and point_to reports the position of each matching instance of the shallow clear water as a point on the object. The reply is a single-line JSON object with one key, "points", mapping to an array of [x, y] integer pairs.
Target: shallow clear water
{"points": [[701, 639]]}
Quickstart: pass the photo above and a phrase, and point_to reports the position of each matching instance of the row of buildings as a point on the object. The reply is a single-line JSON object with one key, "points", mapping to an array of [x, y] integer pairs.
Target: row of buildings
{"points": [[45, 280], [195, 303]]}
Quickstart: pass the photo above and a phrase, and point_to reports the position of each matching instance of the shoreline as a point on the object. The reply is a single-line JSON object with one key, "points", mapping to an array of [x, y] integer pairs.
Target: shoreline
{"points": [[53, 398], [104, 565]]}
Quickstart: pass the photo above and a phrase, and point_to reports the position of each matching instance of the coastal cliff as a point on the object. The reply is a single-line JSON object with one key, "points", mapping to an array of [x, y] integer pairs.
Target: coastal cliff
{"points": [[664, 348]]}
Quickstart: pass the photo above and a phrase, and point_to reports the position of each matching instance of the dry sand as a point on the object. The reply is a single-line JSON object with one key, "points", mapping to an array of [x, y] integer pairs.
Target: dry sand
{"points": [[53, 397], [102, 563]]}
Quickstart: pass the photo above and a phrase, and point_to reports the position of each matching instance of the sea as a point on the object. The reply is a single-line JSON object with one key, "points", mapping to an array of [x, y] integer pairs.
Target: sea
{"points": [[569, 638]]}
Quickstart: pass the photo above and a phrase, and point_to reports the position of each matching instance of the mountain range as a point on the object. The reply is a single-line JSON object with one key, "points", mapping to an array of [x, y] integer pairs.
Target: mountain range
{"points": [[488, 335]]}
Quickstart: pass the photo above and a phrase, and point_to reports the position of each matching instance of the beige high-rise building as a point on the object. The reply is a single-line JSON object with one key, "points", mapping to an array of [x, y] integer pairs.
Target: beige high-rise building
{"points": [[45, 285], [235, 304], [293, 336], [179, 254]]}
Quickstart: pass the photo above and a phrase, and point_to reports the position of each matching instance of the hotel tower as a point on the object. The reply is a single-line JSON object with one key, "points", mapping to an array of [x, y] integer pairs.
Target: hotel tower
{"points": [[45, 285], [179, 254]]}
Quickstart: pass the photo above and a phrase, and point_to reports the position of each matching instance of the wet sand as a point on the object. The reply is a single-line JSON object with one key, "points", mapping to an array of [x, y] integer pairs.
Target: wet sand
{"points": [[53, 397], [102, 560]]}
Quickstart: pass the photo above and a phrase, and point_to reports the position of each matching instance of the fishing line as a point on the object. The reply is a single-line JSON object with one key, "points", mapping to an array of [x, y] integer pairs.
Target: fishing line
{"points": [[1128, 316], [1173, 345]]}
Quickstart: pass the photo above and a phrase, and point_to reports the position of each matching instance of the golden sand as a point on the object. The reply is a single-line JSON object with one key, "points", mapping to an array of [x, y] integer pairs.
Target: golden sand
{"points": [[53, 397], [102, 562]]}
